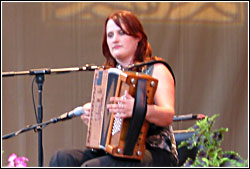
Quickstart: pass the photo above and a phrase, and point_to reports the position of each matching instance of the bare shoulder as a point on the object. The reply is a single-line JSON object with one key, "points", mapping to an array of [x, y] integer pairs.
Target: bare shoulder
{"points": [[165, 92], [161, 72]]}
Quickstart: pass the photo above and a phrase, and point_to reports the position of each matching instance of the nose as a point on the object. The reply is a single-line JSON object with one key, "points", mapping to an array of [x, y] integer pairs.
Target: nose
{"points": [[115, 38]]}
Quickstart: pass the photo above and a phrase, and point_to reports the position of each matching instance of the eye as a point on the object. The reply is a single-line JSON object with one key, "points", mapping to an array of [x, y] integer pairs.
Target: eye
{"points": [[121, 32], [110, 34]]}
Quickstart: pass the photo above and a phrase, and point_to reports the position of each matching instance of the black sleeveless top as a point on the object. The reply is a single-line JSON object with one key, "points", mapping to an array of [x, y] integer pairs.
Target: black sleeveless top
{"points": [[160, 137]]}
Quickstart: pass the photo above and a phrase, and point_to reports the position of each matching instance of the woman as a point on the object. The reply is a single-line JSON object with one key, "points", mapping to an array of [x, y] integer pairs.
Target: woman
{"points": [[125, 43]]}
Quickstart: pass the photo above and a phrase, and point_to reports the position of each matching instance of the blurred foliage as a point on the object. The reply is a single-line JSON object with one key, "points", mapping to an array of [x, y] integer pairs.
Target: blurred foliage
{"points": [[210, 153]]}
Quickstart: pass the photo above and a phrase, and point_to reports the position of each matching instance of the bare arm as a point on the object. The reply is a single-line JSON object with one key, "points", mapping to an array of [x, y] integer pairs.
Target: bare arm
{"points": [[162, 113]]}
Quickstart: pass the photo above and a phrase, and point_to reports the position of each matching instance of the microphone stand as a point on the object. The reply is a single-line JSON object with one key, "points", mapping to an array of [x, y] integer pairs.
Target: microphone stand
{"points": [[39, 81], [35, 127], [39, 73]]}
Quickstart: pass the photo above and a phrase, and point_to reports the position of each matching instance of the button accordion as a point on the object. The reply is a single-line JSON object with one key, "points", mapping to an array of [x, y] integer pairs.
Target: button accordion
{"points": [[125, 138]]}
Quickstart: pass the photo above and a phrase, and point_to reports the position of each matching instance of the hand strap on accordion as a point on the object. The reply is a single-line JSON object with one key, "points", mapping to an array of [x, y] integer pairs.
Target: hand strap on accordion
{"points": [[139, 113]]}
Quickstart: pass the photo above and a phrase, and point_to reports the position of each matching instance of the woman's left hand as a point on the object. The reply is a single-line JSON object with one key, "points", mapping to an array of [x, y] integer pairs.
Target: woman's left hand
{"points": [[122, 106]]}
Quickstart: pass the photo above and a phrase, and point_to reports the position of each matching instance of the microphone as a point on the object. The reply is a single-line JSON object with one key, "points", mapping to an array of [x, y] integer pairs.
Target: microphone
{"points": [[68, 115], [87, 67], [189, 117]]}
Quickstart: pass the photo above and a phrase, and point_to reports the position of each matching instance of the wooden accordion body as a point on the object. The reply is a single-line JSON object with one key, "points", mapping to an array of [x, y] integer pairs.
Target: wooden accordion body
{"points": [[104, 130]]}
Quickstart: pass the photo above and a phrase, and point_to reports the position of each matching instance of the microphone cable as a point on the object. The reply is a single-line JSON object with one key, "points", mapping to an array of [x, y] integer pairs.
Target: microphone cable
{"points": [[33, 100]]}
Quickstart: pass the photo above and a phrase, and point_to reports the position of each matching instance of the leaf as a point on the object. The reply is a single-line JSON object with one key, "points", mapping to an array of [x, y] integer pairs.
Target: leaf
{"points": [[188, 162], [206, 161], [208, 142], [234, 156]]}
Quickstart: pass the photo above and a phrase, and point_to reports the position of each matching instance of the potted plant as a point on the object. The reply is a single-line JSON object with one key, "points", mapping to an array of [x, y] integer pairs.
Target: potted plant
{"points": [[209, 152]]}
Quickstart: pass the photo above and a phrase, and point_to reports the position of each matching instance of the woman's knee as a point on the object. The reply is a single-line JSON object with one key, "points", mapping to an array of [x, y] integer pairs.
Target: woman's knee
{"points": [[61, 158]]}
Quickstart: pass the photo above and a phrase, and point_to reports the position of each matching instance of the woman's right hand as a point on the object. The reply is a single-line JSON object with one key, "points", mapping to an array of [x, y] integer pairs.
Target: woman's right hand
{"points": [[85, 116]]}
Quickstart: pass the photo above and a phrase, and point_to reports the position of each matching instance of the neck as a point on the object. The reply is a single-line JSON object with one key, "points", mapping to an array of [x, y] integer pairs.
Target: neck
{"points": [[125, 63]]}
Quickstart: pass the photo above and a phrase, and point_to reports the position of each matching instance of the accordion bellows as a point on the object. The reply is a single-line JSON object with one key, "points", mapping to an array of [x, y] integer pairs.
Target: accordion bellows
{"points": [[104, 130]]}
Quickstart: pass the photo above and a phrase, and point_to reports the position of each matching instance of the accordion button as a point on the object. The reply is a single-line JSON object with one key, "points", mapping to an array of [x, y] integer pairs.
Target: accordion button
{"points": [[119, 151], [152, 84], [132, 80], [138, 153]]}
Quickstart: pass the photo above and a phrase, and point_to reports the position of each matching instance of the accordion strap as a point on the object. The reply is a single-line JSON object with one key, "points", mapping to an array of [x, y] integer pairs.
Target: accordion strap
{"points": [[138, 116]]}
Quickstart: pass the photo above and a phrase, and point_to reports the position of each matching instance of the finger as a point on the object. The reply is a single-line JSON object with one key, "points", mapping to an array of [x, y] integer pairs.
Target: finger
{"points": [[127, 95], [116, 106], [86, 121], [85, 116], [116, 110], [117, 99], [82, 117]]}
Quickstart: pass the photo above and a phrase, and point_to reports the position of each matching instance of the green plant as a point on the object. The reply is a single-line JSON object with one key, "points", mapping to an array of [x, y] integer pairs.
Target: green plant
{"points": [[209, 153]]}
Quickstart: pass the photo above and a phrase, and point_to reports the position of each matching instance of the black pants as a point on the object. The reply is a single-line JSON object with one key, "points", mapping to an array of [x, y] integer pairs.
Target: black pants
{"points": [[89, 158]]}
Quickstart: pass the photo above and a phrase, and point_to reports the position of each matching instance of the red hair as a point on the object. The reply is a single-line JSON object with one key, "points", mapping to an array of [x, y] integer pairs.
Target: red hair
{"points": [[132, 27]]}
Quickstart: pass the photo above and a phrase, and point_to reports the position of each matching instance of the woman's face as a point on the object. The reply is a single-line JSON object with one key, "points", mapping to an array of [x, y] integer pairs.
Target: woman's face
{"points": [[121, 46]]}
